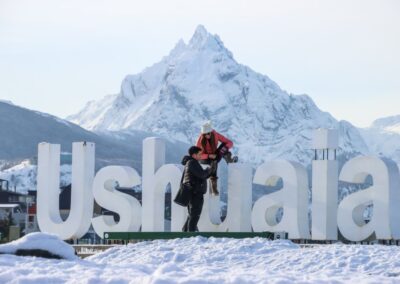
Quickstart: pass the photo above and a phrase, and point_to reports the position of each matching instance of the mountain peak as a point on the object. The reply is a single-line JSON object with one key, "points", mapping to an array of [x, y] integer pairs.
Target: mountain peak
{"points": [[202, 39], [201, 31]]}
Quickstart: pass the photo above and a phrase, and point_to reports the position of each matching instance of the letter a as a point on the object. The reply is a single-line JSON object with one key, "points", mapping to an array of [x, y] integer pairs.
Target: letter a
{"points": [[293, 198], [384, 195]]}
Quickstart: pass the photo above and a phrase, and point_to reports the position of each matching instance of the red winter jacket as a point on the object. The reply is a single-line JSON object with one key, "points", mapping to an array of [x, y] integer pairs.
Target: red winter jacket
{"points": [[208, 149]]}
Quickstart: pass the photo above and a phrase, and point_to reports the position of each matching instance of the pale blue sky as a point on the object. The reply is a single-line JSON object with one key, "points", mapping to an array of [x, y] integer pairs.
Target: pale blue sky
{"points": [[57, 55]]}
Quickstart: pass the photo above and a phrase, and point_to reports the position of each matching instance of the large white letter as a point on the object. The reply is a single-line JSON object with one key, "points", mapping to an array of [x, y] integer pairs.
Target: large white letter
{"points": [[293, 198], [156, 177], [127, 207], [384, 195], [325, 186], [48, 190], [238, 218]]}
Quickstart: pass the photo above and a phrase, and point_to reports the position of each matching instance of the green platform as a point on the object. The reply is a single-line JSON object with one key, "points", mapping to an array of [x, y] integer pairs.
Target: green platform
{"points": [[126, 236]]}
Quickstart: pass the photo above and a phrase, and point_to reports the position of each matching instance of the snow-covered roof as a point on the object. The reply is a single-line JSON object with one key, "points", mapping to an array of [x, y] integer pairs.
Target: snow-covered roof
{"points": [[8, 205]]}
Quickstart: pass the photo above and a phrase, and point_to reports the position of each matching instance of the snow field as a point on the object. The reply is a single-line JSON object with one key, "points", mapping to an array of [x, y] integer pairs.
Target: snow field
{"points": [[213, 260]]}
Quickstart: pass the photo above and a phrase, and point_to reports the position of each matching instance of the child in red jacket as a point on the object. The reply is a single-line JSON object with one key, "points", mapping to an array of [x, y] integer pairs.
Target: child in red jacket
{"points": [[214, 146]]}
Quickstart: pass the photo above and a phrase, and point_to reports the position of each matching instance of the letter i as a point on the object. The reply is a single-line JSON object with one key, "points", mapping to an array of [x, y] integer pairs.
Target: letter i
{"points": [[325, 185]]}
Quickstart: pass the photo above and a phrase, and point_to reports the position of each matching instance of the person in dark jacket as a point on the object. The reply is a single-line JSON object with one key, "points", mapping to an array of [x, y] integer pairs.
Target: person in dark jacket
{"points": [[195, 179]]}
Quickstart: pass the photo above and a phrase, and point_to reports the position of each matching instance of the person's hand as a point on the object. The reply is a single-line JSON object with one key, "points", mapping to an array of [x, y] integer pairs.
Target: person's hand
{"points": [[212, 156]]}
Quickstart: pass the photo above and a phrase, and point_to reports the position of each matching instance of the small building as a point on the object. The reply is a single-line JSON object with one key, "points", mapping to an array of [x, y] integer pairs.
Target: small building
{"points": [[11, 216], [18, 205]]}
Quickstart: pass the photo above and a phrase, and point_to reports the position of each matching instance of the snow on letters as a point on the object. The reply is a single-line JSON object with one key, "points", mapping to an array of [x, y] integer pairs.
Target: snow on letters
{"points": [[327, 217]]}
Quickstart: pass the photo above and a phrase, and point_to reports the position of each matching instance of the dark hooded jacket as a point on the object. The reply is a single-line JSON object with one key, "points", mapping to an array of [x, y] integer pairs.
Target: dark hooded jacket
{"points": [[195, 176]]}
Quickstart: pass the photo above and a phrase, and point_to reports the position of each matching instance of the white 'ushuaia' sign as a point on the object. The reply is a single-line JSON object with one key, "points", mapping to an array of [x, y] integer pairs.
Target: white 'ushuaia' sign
{"points": [[327, 215]]}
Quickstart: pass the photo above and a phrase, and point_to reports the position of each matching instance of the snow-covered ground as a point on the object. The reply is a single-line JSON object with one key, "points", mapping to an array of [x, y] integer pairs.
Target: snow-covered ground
{"points": [[202, 260]]}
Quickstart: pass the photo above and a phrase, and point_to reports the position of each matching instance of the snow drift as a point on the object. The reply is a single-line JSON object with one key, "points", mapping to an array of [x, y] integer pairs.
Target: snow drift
{"points": [[202, 260], [37, 244]]}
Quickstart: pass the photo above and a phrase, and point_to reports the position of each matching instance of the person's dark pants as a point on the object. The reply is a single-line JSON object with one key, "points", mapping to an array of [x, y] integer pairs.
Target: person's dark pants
{"points": [[194, 209]]}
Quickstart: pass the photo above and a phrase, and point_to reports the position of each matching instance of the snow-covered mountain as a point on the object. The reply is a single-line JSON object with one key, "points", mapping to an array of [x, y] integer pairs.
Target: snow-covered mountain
{"points": [[22, 177], [22, 129], [201, 81], [383, 137], [390, 124]]}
